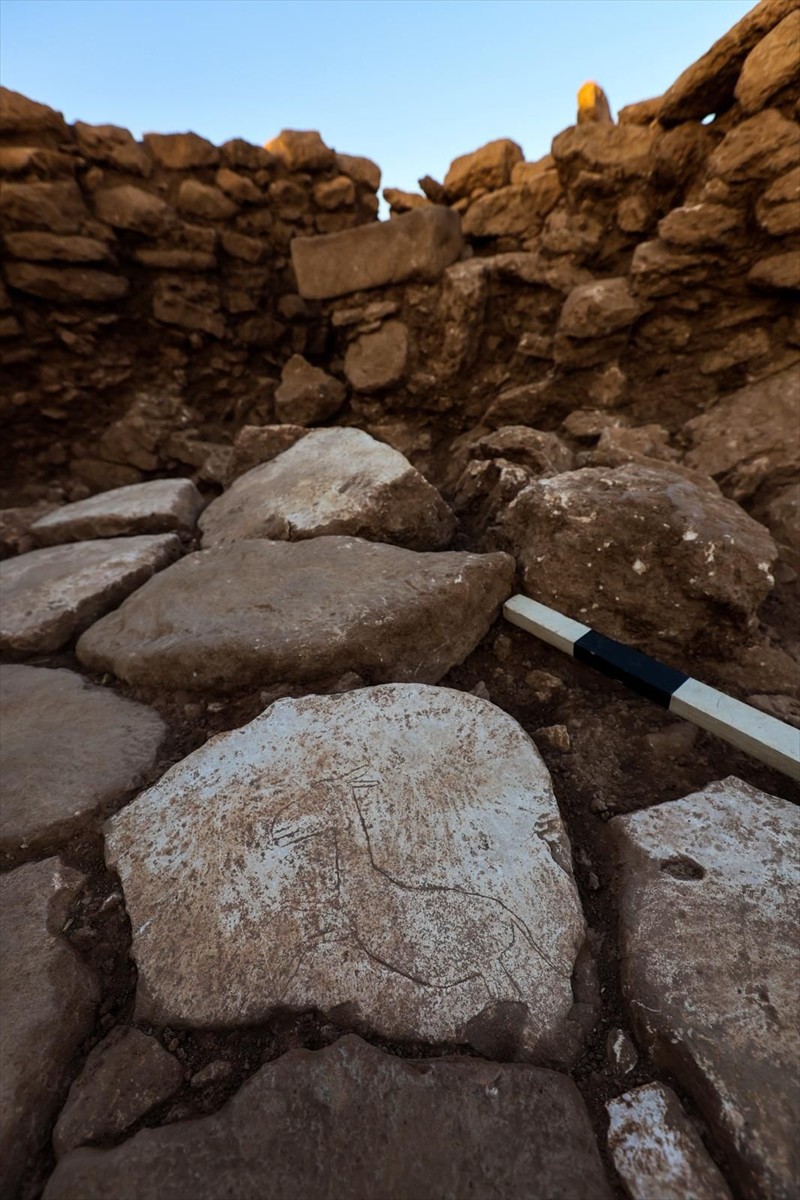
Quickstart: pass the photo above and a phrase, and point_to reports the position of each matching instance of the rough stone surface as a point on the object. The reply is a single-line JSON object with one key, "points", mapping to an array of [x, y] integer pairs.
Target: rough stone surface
{"points": [[181, 151], [697, 226], [709, 966], [514, 211], [489, 167], [542, 453], [301, 611], [333, 481], [778, 209], [770, 65], [657, 1152], [125, 1076], [743, 440], [68, 749], [413, 874], [156, 507], [130, 207], [307, 394], [707, 86], [452, 1128], [52, 594], [417, 245], [47, 1004], [301, 150], [780, 272], [597, 309], [378, 360], [256, 444], [759, 148], [643, 554], [66, 283]]}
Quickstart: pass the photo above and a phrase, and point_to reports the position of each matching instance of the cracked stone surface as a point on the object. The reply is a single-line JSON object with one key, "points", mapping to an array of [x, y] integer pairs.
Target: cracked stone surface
{"points": [[125, 1076], [350, 1122], [261, 612], [47, 1004], [710, 966], [394, 855], [68, 748], [656, 1150], [332, 481], [160, 506], [51, 595]]}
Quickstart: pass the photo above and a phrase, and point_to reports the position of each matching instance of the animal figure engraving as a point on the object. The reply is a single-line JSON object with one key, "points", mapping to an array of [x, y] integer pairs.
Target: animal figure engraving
{"points": [[437, 936]]}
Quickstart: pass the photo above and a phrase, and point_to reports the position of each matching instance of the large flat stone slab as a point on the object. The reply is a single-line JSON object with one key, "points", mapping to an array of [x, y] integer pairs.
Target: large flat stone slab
{"points": [[50, 595], [417, 245], [351, 1122], [261, 612], [47, 1004], [160, 506], [332, 481], [394, 855], [709, 957], [68, 749]]}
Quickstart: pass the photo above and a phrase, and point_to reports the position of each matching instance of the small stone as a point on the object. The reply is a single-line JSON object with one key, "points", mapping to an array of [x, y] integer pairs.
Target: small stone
{"points": [[656, 1150], [124, 1077], [778, 209], [621, 1053], [598, 309], [759, 148], [541, 453], [362, 171], [307, 394], [156, 507], [48, 999], [376, 361], [66, 284], [543, 685], [68, 750], [481, 690], [593, 106], [204, 200], [114, 147], [554, 737], [51, 595], [503, 647], [214, 1072]]}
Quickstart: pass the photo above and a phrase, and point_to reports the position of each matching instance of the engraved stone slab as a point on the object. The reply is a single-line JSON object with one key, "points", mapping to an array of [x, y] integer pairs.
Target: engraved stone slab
{"points": [[47, 1002], [351, 1122], [260, 612], [394, 855], [67, 749], [656, 1150], [156, 507], [709, 957], [332, 481], [50, 595]]}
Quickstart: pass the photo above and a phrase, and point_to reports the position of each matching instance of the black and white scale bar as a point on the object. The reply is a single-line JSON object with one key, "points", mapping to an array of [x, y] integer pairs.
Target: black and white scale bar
{"points": [[772, 741]]}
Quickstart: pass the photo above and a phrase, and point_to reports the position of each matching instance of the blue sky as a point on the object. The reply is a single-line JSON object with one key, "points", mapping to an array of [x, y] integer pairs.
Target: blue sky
{"points": [[410, 83]]}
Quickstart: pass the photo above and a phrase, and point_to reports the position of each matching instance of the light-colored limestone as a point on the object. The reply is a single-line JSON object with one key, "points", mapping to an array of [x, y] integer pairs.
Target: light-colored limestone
{"points": [[160, 506]]}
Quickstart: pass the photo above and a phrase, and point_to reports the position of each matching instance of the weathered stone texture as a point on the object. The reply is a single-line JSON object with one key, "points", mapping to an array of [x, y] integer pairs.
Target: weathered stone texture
{"points": [[156, 507]]}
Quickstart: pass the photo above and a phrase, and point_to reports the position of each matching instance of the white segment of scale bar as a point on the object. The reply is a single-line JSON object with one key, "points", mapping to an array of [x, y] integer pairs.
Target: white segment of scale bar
{"points": [[772, 741], [551, 626]]}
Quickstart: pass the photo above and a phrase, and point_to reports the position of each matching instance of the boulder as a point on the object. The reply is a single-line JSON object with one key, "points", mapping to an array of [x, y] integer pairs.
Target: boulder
{"points": [[453, 1128], [489, 168], [617, 152], [125, 1076], [541, 453], [239, 187], [709, 966], [657, 1151], [68, 750], [301, 611], [643, 554], [770, 66], [742, 441], [376, 361], [307, 394], [181, 151], [697, 226], [47, 1007], [413, 877], [51, 595], [301, 150], [333, 481], [708, 85], [595, 310], [777, 272], [417, 245], [66, 284], [18, 115]]}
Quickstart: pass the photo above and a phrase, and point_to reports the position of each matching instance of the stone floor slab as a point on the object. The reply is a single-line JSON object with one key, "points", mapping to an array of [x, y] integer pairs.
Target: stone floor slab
{"points": [[160, 506], [260, 612], [67, 749], [50, 595], [351, 1122], [394, 855]]}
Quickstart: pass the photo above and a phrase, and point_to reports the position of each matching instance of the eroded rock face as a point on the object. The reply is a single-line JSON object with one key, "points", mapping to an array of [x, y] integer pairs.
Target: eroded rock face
{"points": [[47, 1004], [333, 481], [261, 612], [643, 554], [156, 507], [394, 853], [50, 595], [709, 953], [656, 1150], [454, 1128], [68, 749], [417, 245], [125, 1076]]}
